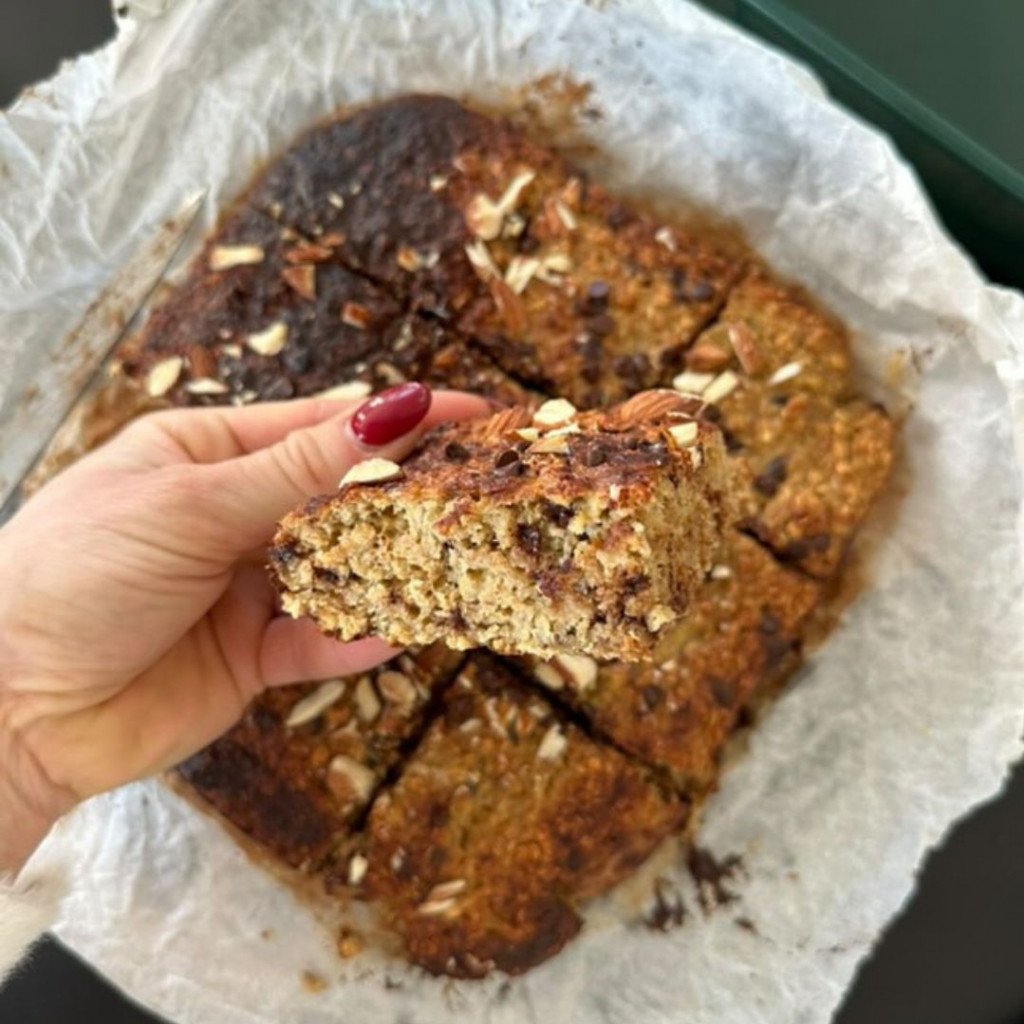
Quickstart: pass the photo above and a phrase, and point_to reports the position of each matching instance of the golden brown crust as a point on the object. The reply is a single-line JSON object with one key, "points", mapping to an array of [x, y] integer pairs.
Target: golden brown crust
{"points": [[739, 635], [277, 774], [505, 820]]}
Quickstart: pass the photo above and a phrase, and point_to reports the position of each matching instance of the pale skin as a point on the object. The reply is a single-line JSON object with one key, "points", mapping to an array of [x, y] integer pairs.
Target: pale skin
{"points": [[136, 618]]}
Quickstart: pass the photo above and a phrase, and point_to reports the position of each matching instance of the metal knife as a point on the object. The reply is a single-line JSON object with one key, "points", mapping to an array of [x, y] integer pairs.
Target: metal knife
{"points": [[31, 418]]}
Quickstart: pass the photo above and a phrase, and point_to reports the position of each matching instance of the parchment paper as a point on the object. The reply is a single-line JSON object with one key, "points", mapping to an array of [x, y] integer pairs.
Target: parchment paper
{"points": [[908, 716]]}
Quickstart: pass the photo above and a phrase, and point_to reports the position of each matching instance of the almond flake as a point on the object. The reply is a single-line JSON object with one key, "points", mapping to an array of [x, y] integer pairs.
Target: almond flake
{"points": [[549, 446], [301, 279], [513, 227], [744, 344], [357, 868], [510, 197], [397, 687], [389, 373], [691, 383], [359, 778], [244, 398], [519, 272], [784, 373], [355, 315], [566, 216], [372, 471], [684, 434], [445, 890], [579, 668], [314, 704], [556, 263], [554, 412], [435, 908], [527, 433], [409, 259], [232, 351], [307, 252], [721, 572], [721, 387], [547, 674], [664, 236], [367, 702], [483, 263], [696, 457], [163, 376], [437, 182], [224, 257], [350, 389], [614, 492], [484, 217], [335, 200], [552, 745], [572, 428], [206, 386], [270, 341], [509, 306]]}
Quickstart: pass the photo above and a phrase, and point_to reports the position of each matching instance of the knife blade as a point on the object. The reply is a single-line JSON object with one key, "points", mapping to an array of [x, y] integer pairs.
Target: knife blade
{"points": [[30, 419]]}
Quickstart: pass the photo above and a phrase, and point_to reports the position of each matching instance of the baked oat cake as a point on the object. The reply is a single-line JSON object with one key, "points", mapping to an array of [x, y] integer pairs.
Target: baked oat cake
{"points": [[506, 819], [416, 239], [530, 532]]}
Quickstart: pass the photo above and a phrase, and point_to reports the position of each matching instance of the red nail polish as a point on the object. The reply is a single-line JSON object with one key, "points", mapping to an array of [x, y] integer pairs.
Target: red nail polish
{"points": [[392, 413]]}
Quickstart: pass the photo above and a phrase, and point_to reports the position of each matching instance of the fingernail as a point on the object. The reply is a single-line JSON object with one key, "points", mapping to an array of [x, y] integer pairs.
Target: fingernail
{"points": [[392, 413], [494, 405]]}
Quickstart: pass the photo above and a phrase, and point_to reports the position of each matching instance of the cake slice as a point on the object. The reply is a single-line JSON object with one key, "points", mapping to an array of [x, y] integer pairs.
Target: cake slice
{"points": [[530, 533], [504, 822]]}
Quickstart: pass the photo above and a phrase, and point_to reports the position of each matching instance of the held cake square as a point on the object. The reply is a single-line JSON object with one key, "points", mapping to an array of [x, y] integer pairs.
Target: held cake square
{"points": [[529, 533]]}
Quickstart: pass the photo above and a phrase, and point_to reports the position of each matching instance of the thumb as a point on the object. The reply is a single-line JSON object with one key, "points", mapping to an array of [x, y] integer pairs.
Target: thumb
{"points": [[248, 495]]}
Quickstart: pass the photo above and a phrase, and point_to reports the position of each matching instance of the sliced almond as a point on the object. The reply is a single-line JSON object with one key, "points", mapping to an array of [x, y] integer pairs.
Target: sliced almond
{"points": [[552, 744], [355, 315], [664, 236], [744, 344], [335, 200], [357, 868], [565, 215], [372, 471], [224, 257], [435, 908], [314, 704], [437, 182], [445, 890], [367, 702], [397, 687], [350, 389], [690, 383], [163, 376], [206, 386], [549, 446], [308, 252], [409, 259], [580, 669], [706, 355], [549, 675], [684, 434], [572, 428], [615, 492], [721, 572], [484, 217], [553, 412], [510, 308], [721, 387], [527, 433], [389, 373], [553, 266], [357, 778], [483, 262], [696, 457], [270, 341], [231, 350], [519, 272], [301, 279], [513, 227], [785, 373], [510, 197]]}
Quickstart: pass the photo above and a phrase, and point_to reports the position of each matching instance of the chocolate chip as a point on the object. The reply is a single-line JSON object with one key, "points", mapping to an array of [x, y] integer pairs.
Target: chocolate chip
{"points": [[455, 452], [651, 696], [506, 458], [712, 414], [772, 477], [526, 242], [684, 290], [296, 359], [327, 575], [769, 623], [274, 388], [528, 538], [595, 455], [633, 370], [560, 515], [618, 215], [634, 584], [724, 692], [601, 325], [701, 291], [780, 401], [596, 298]]}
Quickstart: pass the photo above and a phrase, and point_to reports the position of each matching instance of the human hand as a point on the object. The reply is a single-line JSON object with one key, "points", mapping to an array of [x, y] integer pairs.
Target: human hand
{"points": [[136, 618]]}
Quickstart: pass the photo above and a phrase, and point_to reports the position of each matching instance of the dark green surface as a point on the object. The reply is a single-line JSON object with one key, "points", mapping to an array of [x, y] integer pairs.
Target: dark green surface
{"points": [[944, 80]]}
